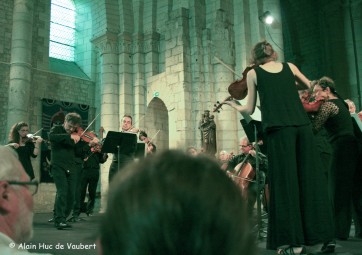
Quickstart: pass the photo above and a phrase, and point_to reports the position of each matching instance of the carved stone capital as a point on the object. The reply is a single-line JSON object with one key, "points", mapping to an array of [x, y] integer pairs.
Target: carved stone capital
{"points": [[106, 43]]}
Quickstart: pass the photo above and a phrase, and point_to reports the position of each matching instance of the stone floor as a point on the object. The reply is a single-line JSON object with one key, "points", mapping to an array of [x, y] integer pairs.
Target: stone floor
{"points": [[80, 240]]}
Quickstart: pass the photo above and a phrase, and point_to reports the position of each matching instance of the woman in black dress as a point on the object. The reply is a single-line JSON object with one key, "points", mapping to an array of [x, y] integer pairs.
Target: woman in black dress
{"points": [[335, 117], [299, 212], [24, 146]]}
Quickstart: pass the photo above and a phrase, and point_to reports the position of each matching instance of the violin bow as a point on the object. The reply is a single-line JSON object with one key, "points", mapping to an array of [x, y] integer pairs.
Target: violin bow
{"points": [[153, 137], [135, 123], [229, 68], [38, 131], [90, 124]]}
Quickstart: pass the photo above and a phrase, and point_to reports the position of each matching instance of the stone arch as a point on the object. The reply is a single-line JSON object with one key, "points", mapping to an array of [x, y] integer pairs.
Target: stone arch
{"points": [[156, 118]]}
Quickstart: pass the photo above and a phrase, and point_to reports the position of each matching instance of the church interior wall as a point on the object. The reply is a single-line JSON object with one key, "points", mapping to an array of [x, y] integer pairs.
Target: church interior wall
{"points": [[129, 50]]}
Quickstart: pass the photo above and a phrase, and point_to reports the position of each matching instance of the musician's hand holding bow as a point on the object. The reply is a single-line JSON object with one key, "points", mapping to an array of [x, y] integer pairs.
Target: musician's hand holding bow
{"points": [[75, 137], [252, 153], [94, 141], [38, 140]]}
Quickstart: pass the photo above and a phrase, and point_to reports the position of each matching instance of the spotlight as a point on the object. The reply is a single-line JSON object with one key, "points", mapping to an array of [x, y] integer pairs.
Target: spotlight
{"points": [[266, 18]]}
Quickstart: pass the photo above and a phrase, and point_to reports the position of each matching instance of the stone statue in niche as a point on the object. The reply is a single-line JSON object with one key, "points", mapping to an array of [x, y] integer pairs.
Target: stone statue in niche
{"points": [[208, 133]]}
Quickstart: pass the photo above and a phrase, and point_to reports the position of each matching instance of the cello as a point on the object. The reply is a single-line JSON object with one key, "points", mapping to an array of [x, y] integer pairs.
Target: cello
{"points": [[243, 175]]}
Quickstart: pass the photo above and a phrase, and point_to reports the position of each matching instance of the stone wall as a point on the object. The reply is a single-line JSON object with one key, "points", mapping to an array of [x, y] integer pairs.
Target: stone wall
{"points": [[178, 49]]}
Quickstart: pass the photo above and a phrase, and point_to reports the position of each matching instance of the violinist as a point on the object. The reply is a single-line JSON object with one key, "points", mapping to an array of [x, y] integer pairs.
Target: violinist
{"points": [[335, 117], [126, 153], [151, 147], [92, 157], [26, 147], [63, 139], [237, 165], [294, 172], [311, 105]]}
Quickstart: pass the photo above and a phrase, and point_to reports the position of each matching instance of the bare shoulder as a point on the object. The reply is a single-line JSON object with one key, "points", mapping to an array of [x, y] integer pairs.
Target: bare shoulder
{"points": [[251, 73], [251, 76], [294, 68]]}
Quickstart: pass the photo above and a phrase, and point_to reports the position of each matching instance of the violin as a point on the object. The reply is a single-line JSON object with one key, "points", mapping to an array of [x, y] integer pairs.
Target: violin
{"points": [[96, 148], [34, 138], [85, 136], [238, 89]]}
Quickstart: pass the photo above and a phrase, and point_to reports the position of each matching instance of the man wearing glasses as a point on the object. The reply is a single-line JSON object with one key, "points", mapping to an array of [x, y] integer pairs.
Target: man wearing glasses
{"points": [[239, 166], [16, 204]]}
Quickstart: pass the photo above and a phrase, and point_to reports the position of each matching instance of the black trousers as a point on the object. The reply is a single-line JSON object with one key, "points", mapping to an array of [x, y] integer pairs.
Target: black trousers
{"points": [[90, 178], [64, 183], [77, 189], [117, 165], [300, 211], [345, 152]]}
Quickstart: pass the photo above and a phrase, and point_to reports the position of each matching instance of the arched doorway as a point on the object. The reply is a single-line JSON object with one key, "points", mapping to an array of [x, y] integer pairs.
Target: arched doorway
{"points": [[156, 123]]}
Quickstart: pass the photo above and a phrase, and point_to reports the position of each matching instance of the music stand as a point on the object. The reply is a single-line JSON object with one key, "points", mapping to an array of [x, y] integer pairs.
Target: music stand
{"points": [[254, 133], [141, 151], [117, 142]]}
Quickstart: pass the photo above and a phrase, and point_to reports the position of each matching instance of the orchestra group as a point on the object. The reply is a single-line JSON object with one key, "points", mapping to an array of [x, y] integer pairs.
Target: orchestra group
{"points": [[311, 171]]}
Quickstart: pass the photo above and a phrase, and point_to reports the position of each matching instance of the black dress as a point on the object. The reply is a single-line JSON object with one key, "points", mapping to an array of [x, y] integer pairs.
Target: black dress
{"points": [[25, 153], [299, 211]]}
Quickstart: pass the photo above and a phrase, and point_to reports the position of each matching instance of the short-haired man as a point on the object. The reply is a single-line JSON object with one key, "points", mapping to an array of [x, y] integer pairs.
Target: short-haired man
{"points": [[126, 153], [237, 164], [63, 139], [16, 204]]}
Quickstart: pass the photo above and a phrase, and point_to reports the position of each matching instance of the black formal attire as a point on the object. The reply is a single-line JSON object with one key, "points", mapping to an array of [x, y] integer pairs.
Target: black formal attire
{"points": [[299, 209], [357, 195], [90, 178], [25, 154], [126, 154], [78, 171], [336, 119], [63, 171], [252, 190]]}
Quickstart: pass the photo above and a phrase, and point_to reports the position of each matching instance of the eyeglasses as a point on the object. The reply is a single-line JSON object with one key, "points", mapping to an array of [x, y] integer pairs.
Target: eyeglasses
{"points": [[244, 146], [70, 126], [32, 186]]}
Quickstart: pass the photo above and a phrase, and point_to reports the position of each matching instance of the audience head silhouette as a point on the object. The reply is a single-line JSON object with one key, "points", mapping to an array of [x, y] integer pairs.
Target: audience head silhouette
{"points": [[16, 201], [174, 203]]}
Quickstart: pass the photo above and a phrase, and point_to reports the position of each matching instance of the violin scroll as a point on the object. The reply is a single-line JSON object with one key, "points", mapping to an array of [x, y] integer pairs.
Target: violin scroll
{"points": [[238, 89], [218, 104]]}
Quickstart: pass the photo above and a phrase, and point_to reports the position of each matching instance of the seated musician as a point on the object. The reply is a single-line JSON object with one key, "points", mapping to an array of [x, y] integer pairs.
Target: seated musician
{"points": [[237, 166]]}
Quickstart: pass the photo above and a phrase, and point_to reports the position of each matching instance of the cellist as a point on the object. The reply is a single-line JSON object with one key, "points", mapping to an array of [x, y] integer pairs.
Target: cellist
{"points": [[243, 165]]}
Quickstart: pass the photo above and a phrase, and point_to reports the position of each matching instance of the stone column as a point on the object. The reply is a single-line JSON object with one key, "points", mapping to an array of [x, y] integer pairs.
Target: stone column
{"points": [[128, 66], [222, 38], [20, 66], [109, 95], [178, 77]]}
